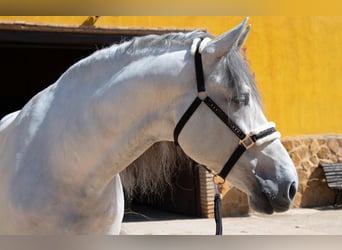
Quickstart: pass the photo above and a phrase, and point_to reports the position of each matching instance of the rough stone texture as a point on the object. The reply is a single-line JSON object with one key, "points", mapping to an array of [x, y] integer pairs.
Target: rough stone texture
{"points": [[313, 190], [234, 202], [306, 152]]}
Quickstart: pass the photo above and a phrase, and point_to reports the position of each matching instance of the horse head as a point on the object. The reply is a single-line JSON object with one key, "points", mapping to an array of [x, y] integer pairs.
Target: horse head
{"points": [[233, 123]]}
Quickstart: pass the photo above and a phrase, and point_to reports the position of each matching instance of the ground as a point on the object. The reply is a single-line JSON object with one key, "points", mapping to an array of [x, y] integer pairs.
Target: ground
{"points": [[313, 221]]}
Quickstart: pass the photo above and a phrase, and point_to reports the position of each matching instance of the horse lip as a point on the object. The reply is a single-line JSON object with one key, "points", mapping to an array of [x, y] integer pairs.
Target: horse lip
{"points": [[269, 207], [277, 208], [280, 209], [270, 191]]}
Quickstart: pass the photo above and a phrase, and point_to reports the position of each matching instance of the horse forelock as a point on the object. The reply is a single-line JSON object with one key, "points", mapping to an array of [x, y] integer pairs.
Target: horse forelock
{"points": [[238, 75]]}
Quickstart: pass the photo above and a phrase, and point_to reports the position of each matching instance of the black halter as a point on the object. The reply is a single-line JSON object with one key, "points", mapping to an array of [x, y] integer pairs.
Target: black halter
{"points": [[246, 141]]}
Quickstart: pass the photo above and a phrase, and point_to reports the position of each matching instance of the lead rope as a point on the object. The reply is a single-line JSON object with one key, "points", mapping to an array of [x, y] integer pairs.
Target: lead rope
{"points": [[217, 208], [218, 188]]}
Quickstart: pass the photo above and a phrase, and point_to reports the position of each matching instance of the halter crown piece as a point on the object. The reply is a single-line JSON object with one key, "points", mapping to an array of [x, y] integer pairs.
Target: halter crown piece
{"points": [[257, 136]]}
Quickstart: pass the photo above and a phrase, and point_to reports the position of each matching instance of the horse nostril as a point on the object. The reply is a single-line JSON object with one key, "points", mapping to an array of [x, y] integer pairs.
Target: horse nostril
{"points": [[292, 190]]}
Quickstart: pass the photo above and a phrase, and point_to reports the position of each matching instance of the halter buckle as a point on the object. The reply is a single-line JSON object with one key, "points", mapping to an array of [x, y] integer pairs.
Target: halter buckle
{"points": [[217, 179], [247, 142]]}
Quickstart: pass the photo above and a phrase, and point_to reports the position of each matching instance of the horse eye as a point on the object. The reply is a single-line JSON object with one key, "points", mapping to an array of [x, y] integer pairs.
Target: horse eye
{"points": [[242, 99]]}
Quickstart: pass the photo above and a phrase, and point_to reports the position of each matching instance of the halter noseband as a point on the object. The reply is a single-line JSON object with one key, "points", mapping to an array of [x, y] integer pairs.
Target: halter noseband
{"points": [[257, 136]]}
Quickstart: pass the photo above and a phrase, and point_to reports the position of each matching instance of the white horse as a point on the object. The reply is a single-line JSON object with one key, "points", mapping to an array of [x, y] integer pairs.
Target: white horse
{"points": [[60, 155]]}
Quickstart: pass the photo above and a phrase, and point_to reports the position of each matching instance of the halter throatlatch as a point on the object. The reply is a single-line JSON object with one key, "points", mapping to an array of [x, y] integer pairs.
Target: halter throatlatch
{"points": [[257, 136]]}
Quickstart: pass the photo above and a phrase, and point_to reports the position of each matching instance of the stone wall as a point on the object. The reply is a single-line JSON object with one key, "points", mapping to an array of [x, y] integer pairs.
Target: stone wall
{"points": [[306, 152]]}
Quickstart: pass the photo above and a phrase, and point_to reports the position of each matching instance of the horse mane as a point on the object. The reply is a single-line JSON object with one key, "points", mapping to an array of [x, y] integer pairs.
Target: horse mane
{"points": [[158, 44], [128, 51], [152, 172], [238, 73], [236, 66]]}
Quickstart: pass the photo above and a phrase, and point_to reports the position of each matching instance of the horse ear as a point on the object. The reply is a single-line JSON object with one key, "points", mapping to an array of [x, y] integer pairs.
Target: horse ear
{"points": [[221, 45], [243, 36]]}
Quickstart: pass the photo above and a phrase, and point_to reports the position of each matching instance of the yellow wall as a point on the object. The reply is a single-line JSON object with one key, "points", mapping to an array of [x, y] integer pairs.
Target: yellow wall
{"points": [[297, 62]]}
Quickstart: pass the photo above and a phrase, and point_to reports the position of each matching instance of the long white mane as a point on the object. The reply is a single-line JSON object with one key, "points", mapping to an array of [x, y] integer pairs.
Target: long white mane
{"points": [[150, 174]]}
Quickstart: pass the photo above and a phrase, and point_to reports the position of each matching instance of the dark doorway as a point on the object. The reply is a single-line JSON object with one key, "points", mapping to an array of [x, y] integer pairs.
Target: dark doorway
{"points": [[32, 59], [27, 70], [180, 200]]}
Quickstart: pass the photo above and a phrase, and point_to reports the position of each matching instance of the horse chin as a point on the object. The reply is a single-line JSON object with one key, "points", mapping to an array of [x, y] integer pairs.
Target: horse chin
{"points": [[261, 204]]}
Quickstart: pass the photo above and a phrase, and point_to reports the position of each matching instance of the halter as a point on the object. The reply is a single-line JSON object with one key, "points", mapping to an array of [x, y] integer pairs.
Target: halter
{"points": [[257, 136]]}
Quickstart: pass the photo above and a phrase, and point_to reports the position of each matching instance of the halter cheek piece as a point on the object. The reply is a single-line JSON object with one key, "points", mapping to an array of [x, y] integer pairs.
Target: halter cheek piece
{"points": [[257, 136]]}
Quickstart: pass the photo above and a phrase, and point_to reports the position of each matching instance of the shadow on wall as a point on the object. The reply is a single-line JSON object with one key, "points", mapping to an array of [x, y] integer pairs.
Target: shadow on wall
{"points": [[316, 193]]}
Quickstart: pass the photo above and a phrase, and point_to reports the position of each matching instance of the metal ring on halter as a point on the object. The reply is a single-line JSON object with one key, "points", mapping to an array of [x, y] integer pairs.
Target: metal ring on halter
{"points": [[202, 95], [217, 179]]}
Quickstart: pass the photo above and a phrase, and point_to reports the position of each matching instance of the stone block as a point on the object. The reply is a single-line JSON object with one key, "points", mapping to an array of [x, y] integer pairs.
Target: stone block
{"points": [[314, 147], [235, 203], [295, 158], [321, 141], [296, 143], [333, 145], [314, 160], [302, 152], [339, 152], [323, 152], [333, 157], [307, 166], [297, 201], [303, 174], [307, 141]]}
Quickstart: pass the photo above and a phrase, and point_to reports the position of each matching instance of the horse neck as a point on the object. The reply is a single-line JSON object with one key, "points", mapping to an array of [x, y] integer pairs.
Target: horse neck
{"points": [[141, 104], [79, 133], [127, 112]]}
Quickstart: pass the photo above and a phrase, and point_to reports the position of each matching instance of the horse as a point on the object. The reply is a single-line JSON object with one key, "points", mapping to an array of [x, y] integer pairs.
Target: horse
{"points": [[62, 153]]}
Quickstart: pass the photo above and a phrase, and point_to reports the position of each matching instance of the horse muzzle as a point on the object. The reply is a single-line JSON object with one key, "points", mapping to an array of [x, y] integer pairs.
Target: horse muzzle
{"points": [[279, 195]]}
